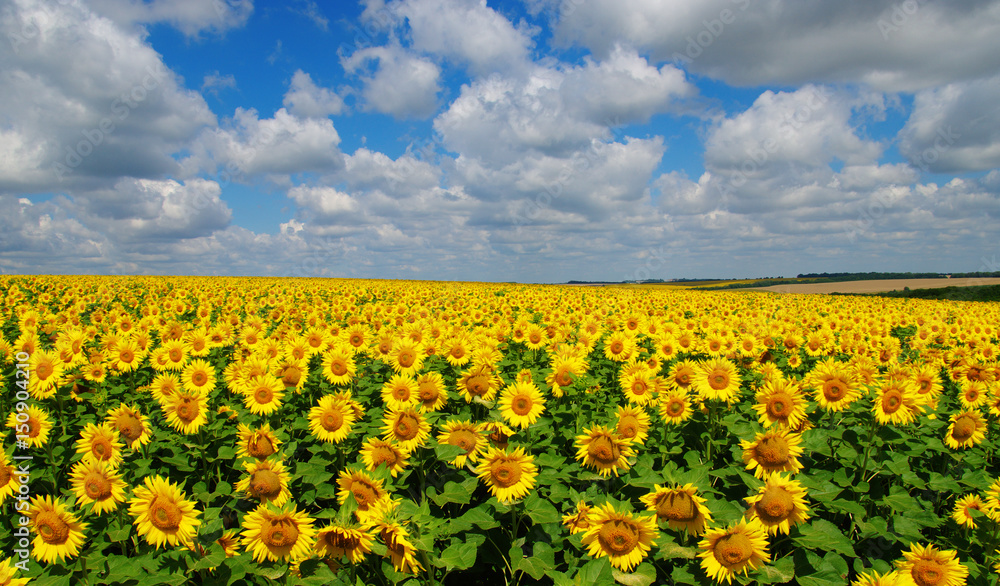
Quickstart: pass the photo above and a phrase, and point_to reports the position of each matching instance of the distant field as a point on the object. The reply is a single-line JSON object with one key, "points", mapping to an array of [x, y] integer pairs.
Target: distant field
{"points": [[877, 286]]}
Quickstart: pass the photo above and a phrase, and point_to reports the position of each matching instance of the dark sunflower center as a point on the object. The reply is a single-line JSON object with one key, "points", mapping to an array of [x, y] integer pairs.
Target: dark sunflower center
{"points": [[521, 405], [779, 405], [628, 427], [199, 378], [928, 573], [332, 420], [618, 537], [129, 426], [401, 393], [165, 514], [639, 387], [564, 378], [126, 356], [406, 358], [406, 428], [428, 393], [775, 505], [617, 347], [364, 493], [33, 427], [772, 451], [892, 401], [263, 395], [338, 368], [260, 446], [101, 448], [97, 486], [187, 410], [676, 506], [383, 455], [964, 428], [834, 390], [505, 474], [356, 340], [478, 385], [44, 370], [603, 450], [280, 534], [675, 408], [265, 484], [732, 551], [457, 352], [175, 355], [51, 528], [972, 395], [718, 380], [290, 377], [464, 439]]}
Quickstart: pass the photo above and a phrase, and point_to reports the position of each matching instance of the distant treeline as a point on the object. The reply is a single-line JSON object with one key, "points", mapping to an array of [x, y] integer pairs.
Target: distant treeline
{"points": [[974, 293]]}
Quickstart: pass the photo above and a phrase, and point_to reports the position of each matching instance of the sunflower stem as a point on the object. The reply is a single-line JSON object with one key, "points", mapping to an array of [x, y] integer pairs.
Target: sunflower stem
{"points": [[55, 469], [868, 449]]}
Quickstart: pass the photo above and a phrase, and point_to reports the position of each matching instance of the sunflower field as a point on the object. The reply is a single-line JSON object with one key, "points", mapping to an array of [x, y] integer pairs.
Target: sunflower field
{"points": [[165, 430]]}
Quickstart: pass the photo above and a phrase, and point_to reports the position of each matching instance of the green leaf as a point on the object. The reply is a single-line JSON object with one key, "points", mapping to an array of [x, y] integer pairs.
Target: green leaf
{"points": [[672, 550], [478, 517], [541, 561], [540, 510], [644, 575], [447, 452], [461, 554], [454, 492], [780, 572], [824, 536], [594, 572]]}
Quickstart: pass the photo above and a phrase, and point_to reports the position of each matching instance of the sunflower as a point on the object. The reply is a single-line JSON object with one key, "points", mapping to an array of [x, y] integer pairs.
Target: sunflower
{"points": [[127, 356], [186, 412], [961, 515], [46, 369], [356, 338], [927, 565], [400, 392], [717, 380], [408, 428], [98, 482], [9, 481], [680, 507], [131, 424], [632, 424], [274, 534], [198, 377], [682, 374], [874, 578], [780, 402], [521, 404], [162, 513], [406, 356], [639, 386], [509, 475], [734, 550], [331, 420], [834, 385], [338, 365], [337, 541], [58, 534], [619, 347], [7, 573], [262, 394], [479, 381], [367, 491], [772, 451], [456, 351], [165, 386], [779, 505], [498, 434], [621, 536], [36, 428], [431, 391], [973, 394], [896, 402], [260, 443], [377, 452], [565, 370], [466, 435], [967, 429], [579, 521], [266, 481], [99, 443], [603, 450], [675, 406], [398, 547]]}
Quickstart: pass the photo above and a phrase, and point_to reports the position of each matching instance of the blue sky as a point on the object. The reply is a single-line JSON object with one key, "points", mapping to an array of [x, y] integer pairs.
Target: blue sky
{"points": [[532, 141]]}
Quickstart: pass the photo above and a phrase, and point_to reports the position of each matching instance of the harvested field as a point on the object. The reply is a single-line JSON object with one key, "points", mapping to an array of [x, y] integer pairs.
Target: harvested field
{"points": [[878, 286]]}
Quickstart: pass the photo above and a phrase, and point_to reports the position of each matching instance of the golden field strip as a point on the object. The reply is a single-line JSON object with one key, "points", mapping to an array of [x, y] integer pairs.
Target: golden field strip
{"points": [[189, 430]]}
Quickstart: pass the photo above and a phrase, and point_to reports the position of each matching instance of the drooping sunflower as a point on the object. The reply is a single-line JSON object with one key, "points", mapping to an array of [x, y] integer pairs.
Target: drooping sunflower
{"points": [[336, 541], [256, 443], [272, 533], [779, 505], [773, 451], [578, 521], [926, 564], [680, 507], [262, 394], [521, 404], [331, 420], [367, 491], [99, 443], [734, 550], [198, 376], [36, 428], [967, 429], [479, 381], [632, 423], [132, 425], [717, 380], [603, 450], [960, 513], [162, 513], [509, 475], [466, 435], [780, 402], [186, 412], [400, 392], [58, 533], [377, 452], [625, 538], [407, 427], [338, 365], [431, 391], [497, 433], [896, 402], [97, 482], [400, 550], [266, 480], [833, 385], [676, 406]]}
